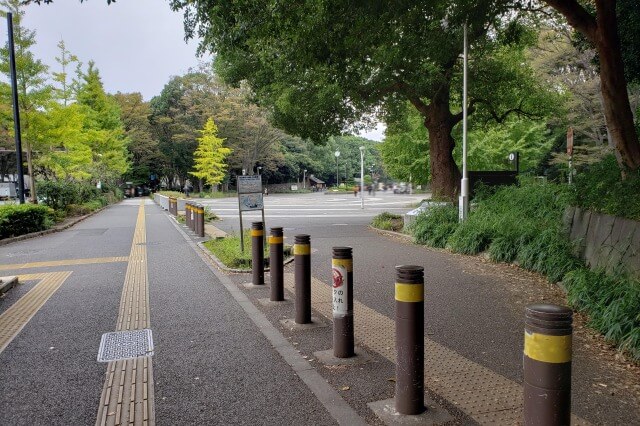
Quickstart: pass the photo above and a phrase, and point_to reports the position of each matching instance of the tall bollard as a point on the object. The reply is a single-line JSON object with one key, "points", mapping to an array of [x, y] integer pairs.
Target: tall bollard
{"points": [[200, 228], [276, 265], [409, 398], [187, 214], [547, 365], [257, 252], [342, 269], [302, 271]]}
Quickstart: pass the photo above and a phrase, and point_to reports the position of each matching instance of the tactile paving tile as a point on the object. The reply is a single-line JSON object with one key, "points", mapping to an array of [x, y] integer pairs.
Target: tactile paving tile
{"points": [[119, 345]]}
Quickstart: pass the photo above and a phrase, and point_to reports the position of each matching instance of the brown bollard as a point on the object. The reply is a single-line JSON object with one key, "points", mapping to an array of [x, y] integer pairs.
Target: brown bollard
{"points": [[172, 202], [342, 269], [276, 265], [257, 252], [192, 216], [547, 365], [187, 214], [302, 271], [409, 398], [200, 228]]}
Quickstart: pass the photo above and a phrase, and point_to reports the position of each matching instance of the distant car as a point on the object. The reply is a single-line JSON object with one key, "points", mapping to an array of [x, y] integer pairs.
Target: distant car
{"points": [[402, 189]]}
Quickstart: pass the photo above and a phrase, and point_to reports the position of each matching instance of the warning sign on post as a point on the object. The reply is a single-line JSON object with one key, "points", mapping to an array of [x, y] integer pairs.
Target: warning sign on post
{"points": [[340, 289]]}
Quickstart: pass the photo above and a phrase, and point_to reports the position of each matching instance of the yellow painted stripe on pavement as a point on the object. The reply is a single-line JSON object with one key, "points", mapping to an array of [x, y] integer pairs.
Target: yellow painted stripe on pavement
{"points": [[128, 393], [13, 320], [409, 292], [545, 348], [64, 262]]}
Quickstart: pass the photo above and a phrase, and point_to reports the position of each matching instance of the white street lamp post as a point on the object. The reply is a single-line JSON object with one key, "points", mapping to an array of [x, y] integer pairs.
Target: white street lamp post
{"points": [[463, 202], [362, 177], [304, 179], [337, 154]]}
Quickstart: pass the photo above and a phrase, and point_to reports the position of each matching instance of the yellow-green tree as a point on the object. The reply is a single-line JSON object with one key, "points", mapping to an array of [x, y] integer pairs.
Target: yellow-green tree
{"points": [[209, 157]]}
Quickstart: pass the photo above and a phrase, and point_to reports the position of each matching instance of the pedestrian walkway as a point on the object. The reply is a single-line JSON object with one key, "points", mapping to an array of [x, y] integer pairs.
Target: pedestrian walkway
{"points": [[221, 353]]}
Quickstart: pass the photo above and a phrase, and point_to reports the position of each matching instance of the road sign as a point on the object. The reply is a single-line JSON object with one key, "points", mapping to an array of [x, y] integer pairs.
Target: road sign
{"points": [[249, 184]]}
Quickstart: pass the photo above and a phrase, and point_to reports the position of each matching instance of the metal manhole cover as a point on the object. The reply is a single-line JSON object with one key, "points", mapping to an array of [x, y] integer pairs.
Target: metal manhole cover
{"points": [[119, 345]]}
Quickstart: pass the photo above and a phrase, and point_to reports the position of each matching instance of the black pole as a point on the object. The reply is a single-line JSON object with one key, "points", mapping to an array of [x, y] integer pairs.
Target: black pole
{"points": [[276, 266], [16, 112], [257, 253]]}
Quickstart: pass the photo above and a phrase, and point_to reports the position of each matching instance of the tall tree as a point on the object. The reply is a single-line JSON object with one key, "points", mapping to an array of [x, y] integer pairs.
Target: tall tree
{"points": [[66, 86], [209, 157], [322, 66], [103, 128], [145, 154], [600, 28], [31, 76]]}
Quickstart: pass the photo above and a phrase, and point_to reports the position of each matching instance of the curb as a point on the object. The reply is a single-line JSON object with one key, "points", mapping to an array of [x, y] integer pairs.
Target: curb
{"points": [[392, 233], [51, 230]]}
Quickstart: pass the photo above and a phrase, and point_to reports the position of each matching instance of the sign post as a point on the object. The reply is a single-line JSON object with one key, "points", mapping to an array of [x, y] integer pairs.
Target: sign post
{"points": [[249, 198], [570, 152]]}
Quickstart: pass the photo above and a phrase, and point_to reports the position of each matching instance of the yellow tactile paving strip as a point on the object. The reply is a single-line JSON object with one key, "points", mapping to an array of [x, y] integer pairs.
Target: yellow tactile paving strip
{"points": [[469, 386], [13, 320], [127, 395], [65, 262]]}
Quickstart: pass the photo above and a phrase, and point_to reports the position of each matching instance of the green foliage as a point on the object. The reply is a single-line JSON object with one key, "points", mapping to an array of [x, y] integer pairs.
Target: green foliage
{"points": [[549, 253], [19, 219], [599, 187], [61, 194], [388, 222], [612, 303], [227, 250], [209, 157], [434, 226]]}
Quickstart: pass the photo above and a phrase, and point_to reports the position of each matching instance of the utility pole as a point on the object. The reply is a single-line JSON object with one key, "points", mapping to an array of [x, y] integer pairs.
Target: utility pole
{"points": [[16, 110]]}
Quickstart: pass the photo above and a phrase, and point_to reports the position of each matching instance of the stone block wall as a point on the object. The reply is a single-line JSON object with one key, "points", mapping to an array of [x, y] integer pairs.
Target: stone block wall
{"points": [[604, 241]]}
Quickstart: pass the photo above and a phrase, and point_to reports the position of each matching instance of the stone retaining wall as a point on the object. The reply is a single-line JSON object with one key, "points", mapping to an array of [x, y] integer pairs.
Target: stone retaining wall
{"points": [[604, 241]]}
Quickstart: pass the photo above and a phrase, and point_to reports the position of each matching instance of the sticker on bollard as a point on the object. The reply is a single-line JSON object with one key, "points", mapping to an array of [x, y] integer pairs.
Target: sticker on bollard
{"points": [[342, 292], [547, 365]]}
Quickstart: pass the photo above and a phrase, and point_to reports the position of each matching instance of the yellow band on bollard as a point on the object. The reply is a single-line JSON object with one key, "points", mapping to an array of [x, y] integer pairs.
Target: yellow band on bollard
{"points": [[345, 263], [409, 292], [275, 240], [303, 249], [257, 232], [545, 348], [201, 211]]}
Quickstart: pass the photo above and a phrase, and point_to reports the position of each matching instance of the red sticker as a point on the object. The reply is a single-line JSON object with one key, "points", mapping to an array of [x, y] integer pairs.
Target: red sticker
{"points": [[338, 278]]}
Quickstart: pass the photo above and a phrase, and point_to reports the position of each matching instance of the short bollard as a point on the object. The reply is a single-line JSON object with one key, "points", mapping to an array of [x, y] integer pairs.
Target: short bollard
{"points": [[547, 365], [192, 216], [187, 214], [172, 206], [257, 252], [302, 271], [342, 269], [200, 228], [276, 265], [409, 398]]}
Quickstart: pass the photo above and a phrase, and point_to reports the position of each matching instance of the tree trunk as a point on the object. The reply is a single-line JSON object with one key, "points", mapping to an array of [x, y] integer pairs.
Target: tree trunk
{"points": [[617, 108], [445, 176]]}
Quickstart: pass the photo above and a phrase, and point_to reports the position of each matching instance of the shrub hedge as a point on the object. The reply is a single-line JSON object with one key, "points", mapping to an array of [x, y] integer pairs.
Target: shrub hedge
{"points": [[18, 219]]}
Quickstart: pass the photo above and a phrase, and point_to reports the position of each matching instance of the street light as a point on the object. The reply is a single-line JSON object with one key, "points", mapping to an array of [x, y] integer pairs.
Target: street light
{"points": [[304, 179], [362, 177], [259, 168], [337, 154]]}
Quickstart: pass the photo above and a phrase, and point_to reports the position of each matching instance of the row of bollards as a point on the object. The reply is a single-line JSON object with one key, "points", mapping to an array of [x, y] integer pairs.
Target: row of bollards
{"points": [[194, 214], [547, 343]]}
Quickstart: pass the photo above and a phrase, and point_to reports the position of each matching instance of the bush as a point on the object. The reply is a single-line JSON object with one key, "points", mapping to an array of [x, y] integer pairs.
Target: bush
{"points": [[434, 226], [612, 303], [19, 219], [60, 194], [388, 222], [599, 187]]}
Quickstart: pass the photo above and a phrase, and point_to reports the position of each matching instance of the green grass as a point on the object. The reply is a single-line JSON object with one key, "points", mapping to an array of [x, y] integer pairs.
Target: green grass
{"points": [[612, 304], [388, 222], [227, 250]]}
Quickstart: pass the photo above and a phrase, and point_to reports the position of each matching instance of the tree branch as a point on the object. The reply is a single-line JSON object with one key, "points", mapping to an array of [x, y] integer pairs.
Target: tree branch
{"points": [[577, 16]]}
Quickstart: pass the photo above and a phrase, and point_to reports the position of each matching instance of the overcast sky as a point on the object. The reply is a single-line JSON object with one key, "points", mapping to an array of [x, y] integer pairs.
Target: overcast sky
{"points": [[136, 44]]}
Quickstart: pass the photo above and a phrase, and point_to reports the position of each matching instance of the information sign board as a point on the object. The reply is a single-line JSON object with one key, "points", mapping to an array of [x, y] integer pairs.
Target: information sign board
{"points": [[250, 202], [249, 184]]}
